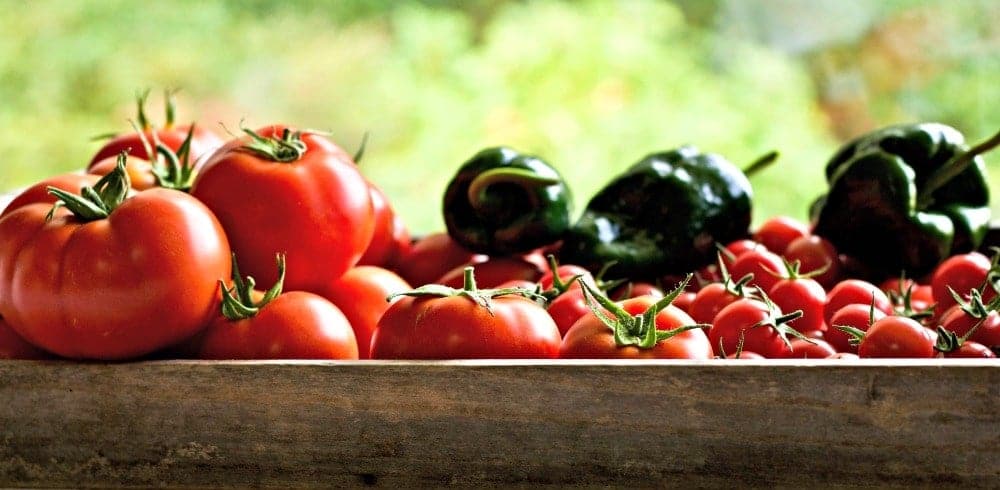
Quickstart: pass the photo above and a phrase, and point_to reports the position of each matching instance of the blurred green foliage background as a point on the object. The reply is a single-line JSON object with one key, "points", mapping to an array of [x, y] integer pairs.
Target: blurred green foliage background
{"points": [[590, 86]]}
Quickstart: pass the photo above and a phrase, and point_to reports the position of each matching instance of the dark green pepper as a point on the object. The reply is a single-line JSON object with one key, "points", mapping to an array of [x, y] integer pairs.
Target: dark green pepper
{"points": [[502, 202], [903, 198], [664, 215]]}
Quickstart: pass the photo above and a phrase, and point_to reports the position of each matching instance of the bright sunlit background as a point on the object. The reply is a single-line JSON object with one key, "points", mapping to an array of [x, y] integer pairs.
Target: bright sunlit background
{"points": [[590, 86]]}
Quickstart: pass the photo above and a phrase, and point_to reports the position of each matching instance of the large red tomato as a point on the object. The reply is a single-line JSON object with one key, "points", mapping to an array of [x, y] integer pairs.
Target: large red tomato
{"points": [[431, 257], [277, 190], [292, 325], [438, 322], [137, 279], [12, 346], [39, 193], [361, 295], [391, 238], [642, 327]]}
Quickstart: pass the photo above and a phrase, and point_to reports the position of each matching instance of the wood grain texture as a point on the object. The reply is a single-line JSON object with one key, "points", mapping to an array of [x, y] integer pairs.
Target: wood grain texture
{"points": [[408, 424]]}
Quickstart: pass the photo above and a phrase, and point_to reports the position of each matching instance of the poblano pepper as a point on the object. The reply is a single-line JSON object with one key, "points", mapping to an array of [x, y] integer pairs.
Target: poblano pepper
{"points": [[904, 198], [664, 215], [502, 202]]}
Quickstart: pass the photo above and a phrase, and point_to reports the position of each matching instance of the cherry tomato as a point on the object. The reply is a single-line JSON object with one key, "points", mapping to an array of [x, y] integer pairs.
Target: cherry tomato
{"points": [[973, 350], [683, 301], [736, 248], [814, 253], [567, 308], [962, 273], [754, 321], [431, 257], [710, 300], [12, 346], [777, 232], [898, 336], [958, 321], [447, 323], [814, 349], [765, 266], [361, 295], [801, 293], [856, 315], [295, 193], [744, 356], [854, 291]]}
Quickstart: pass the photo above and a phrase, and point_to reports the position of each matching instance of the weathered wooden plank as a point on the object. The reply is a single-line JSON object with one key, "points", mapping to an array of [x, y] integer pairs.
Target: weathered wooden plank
{"points": [[281, 424]]}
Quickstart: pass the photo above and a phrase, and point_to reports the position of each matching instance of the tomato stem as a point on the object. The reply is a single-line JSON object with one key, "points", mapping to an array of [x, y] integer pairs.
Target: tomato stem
{"points": [[237, 302], [286, 148], [97, 202]]}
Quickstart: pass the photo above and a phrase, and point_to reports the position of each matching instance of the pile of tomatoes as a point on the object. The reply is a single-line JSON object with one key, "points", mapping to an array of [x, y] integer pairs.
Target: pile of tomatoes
{"points": [[157, 250]]}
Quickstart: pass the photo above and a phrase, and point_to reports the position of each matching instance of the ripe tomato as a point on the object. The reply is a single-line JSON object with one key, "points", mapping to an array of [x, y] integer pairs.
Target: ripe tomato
{"points": [[636, 328], [12, 346], [744, 355], [801, 293], [957, 320], [172, 136], [294, 193], [494, 271], [116, 287], [435, 322], [140, 171], [361, 295], [292, 325], [431, 257], [39, 192], [814, 253], [973, 350], [777, 232], [391, 239], [567, 308], [857, 316], [761, 325], [710, 300], [736, 248], [765, 266], [814, 349], [962, 273], [854, 291], [898, 336]]}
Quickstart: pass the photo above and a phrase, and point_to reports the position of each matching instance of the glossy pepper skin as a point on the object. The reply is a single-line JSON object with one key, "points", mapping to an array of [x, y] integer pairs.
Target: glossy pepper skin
{"points": [[892, 207], [663, 215], [502, 202]]}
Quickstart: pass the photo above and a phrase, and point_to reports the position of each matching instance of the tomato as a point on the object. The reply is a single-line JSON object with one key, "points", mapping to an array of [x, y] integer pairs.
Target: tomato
{"points": [[801, 293], [567, 308], [854, 291], [361, 295], [619, 333], [39, 192], [710, 300], [437, 322], [897, 336], [856, 315], [431, 257], [765, 266], [777, 232], [811, 349], [683, 300], [116, 287], [759, 324], [391, 239], [140, 171], [744, 356], [297, 194], [814, 253], [495, 271], [736, 248], [12, 346], [973, 350], [566, 274], [962, 273], [172, 136], [957, 320]]}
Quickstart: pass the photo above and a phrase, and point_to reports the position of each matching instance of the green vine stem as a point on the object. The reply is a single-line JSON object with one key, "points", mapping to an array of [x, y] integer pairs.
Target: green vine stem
{"points": [[238, 303], [99, 201], [286, 148]]}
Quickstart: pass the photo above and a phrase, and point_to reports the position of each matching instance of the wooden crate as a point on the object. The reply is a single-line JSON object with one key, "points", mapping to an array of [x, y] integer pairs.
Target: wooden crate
{"points": [[786, 423]]}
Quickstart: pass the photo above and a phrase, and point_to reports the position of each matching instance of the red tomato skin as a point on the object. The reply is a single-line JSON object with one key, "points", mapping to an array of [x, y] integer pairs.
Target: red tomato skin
{"points": [[897, 337], [854, 291], [763, 264], [777, 232], [740, 316], [203, 142], [390, 238], [295, 325], [956, 320], [972, 350], [817, 349], [431, 257], [813, 253], [118, 288], [567, 308], [316, 210], [12, 346], [682, 301], [140, 172], [744, 355], [589, 338], [361, 294], [39, 193], [802, 294], [709, 301], [962, 272], [455, 327], [855, 315], [736, 248], [495, 271]]}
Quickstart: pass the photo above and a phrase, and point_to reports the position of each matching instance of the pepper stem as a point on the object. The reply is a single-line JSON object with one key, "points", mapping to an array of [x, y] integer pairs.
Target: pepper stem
{"points": [[760, 163], [952, 168], [507, 175], [97, 202]]}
